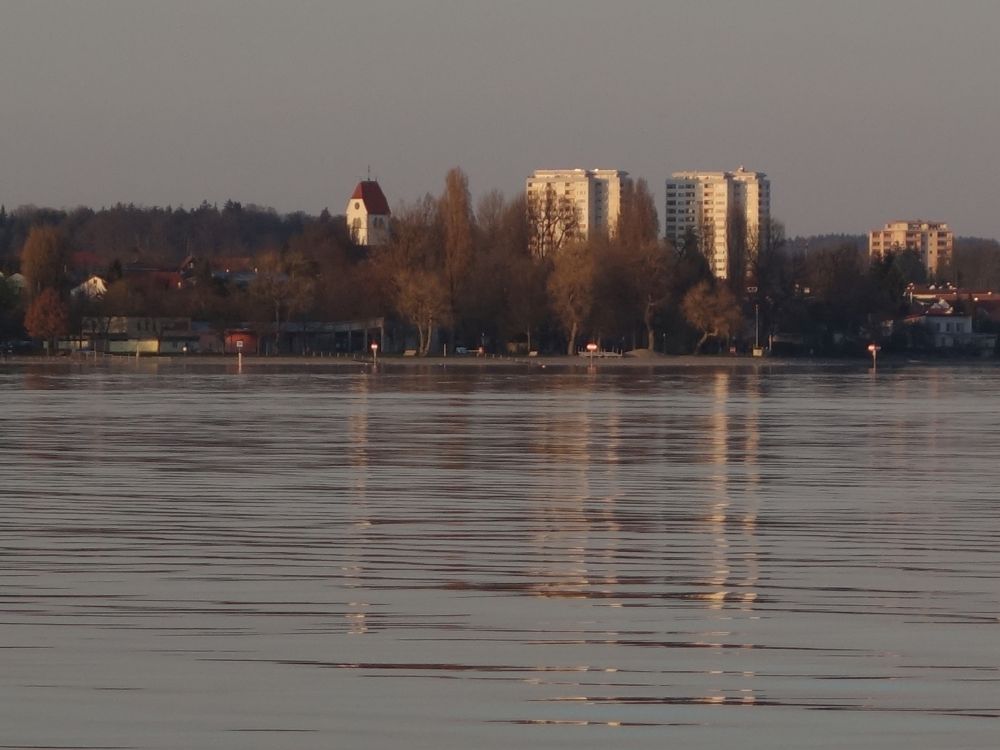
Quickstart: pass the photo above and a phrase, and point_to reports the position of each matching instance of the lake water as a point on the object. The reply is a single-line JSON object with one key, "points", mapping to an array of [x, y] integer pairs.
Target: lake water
{"points": [[698, 557]]}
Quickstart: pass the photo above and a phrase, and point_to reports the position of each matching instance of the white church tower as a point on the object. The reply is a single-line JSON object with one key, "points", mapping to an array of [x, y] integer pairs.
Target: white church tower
{"points": [[368, 214]]}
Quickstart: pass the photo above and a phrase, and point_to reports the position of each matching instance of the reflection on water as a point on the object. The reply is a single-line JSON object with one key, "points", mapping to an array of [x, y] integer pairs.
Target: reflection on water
{"points": [[701, 557]]}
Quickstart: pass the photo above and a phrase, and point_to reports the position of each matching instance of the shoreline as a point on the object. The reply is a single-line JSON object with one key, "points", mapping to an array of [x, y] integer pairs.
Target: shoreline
{"points": [[564, 363]]}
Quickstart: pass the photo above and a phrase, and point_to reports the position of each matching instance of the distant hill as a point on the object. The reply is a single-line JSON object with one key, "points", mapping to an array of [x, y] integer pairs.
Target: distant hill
{"points": [[161, 236], [976, 261], [811, 243]]}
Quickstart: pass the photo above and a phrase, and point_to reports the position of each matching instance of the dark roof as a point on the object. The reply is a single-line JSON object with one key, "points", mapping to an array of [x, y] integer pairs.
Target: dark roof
{"points": [[373, 197]]}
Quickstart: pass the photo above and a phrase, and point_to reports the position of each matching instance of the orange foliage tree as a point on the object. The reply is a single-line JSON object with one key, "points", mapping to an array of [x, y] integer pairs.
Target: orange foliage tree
{"points": [[47, 317]]}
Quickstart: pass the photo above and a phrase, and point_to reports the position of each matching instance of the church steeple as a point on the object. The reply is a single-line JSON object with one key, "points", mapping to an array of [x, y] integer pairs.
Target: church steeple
{"points": [[368, 213]]}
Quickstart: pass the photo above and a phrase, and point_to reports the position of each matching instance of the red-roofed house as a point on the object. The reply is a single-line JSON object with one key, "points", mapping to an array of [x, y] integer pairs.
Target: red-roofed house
{"points": [[368, 214]]}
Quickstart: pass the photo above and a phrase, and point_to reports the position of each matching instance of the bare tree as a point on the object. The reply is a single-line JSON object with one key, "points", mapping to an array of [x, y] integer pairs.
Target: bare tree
{"points": [[637, 219], [571, 288], [739, 245], [47, 317], [507, 292], [285, 284], [491, 211], [646, 258], [457, 229], [705, 240], [712, 309], [527, 304], [554, 222], [745, 244], [420, 298], [650, 271], [407, 270], [416, 238]]}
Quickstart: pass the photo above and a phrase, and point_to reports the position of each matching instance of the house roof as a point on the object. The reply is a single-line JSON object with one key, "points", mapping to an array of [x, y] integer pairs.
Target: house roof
{"points": [[372, 196], [937, 312], [85, 260], [93, 287], [948, 292]]}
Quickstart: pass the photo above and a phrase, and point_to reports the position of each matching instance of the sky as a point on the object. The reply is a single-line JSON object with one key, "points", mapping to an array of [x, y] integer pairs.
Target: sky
{"points": [[859, 112]]}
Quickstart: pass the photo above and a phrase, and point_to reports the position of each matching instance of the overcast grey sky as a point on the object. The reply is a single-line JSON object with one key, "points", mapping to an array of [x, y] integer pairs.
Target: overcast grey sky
{"points": [[860, 112]]}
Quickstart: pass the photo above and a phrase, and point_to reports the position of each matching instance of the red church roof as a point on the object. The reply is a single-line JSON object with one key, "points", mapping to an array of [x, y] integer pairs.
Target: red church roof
{"points": [[373, 197]]}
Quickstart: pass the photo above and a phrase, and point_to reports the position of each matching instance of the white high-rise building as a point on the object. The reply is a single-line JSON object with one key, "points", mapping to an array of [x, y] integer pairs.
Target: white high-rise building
{"points": [[728, 212], [566, 204]]}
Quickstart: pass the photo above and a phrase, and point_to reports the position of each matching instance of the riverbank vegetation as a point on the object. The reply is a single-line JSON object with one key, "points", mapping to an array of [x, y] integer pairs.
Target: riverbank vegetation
{"points": [[458, 274]]}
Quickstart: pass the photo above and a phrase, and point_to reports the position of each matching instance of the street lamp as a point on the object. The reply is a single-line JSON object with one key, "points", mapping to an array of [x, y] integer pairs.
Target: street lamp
{"points": [[375, 352], [757, 352], [591, 348], [756, 326]]}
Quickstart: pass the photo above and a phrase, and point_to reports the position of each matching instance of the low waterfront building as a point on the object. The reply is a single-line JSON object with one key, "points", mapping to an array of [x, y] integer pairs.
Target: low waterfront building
{"points": [[947, 327], [132, 334]]}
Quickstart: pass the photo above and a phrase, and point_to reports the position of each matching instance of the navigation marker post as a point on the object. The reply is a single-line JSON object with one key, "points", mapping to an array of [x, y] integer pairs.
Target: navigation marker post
{"points": [[874, 349]]}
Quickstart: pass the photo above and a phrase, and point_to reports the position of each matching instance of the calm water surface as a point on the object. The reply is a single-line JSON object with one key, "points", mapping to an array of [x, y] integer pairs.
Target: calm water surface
{"points": [[701, 558]]}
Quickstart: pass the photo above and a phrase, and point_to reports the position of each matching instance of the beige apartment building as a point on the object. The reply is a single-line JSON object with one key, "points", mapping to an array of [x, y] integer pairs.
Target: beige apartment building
{"points": [[567, 204], [932, 240], [729, 213]]}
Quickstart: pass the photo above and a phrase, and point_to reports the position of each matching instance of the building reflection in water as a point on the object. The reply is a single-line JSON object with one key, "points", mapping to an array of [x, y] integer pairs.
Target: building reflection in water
{"points": [[719, 490], [577, 530], [734, 493], [357, 531], [735, 459], [561, 527]]}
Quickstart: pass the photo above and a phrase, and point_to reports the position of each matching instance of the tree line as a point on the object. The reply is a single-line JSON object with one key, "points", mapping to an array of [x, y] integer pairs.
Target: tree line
{"points": [[463, 273]]}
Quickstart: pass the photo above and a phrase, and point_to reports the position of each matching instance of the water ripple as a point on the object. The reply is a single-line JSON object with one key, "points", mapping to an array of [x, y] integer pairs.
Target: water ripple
{"points": [[484, 558]]}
